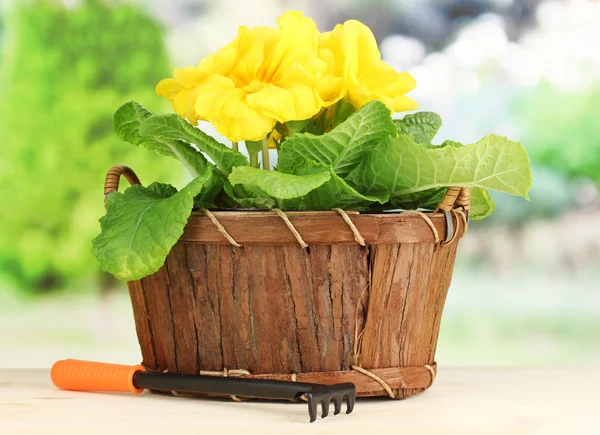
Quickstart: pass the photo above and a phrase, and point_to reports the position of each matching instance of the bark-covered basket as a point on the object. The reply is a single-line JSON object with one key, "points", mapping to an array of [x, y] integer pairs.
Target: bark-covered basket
{"points": [[324, 297]]}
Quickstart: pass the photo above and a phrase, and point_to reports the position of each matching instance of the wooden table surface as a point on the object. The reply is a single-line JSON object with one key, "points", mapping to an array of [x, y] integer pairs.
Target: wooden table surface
{"points": [[463, 401]]}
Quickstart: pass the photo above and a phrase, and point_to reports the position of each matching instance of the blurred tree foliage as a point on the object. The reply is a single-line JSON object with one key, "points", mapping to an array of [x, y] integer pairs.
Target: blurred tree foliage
{"points": [[561, 132], [561, 129], [64, 72]]}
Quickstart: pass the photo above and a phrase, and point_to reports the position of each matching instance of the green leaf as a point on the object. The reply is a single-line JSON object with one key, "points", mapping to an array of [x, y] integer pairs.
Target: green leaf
{"points": [[278, 184], [173, 127], [253, 146], [141, 226], [334, 193], [342, 148], [482, 205], [161, 190], [294, 127], [403, 167], [249, 197], [127, 121], [421, 125], [338, 193], [343, 110], [427, 199], [211, 190]]}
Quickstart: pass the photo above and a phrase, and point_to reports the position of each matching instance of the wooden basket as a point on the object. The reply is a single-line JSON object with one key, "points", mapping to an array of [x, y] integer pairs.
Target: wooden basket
{"points": [[333, 311]]}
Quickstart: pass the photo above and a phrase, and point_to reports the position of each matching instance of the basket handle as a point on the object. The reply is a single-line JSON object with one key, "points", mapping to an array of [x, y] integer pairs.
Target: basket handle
{"points": [[455, 197], [111, 182]]}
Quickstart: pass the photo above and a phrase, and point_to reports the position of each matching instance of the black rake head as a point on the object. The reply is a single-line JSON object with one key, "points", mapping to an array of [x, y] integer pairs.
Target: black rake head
{"points": [[325, 394]]}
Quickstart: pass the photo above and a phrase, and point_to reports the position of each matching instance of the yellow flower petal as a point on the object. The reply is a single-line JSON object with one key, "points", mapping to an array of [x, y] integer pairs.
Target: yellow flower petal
{"points": [[351, 54], [331, 84], [189, 76], [331, 89], [180, 103], [298, 41], [220, 62], [251, 53], [384, 79], [286, 104], [225, 106], [404, 104], [168, 88], [360, 46]]}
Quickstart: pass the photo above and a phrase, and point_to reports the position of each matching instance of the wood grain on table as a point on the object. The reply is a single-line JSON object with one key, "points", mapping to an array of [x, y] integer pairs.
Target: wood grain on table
{"points": [[463, 401]]}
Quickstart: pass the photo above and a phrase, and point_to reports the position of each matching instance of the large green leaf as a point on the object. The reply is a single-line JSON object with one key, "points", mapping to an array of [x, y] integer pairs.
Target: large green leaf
{"points": [[127, 121], [403, 167], [343, 147], [482, 204], [172, 127], [141, 226], [421, 125], [278, 184], [335, 192]]}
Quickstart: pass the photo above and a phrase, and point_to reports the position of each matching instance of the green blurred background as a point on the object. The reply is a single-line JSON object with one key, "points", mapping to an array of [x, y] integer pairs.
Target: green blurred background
{"points": [[526, 288]]}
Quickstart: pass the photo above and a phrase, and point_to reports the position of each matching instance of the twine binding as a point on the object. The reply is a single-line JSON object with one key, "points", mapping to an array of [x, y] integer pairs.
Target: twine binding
{"points": [[432, 371], [456, 229], [357, 236], [220, 227], [225, 373], [381, 382], [436, 236], [463, 215], [291, 226], [294, 378]]}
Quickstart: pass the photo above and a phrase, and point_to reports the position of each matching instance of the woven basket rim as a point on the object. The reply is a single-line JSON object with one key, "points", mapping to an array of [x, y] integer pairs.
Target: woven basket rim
{"points": [[320, 227]]}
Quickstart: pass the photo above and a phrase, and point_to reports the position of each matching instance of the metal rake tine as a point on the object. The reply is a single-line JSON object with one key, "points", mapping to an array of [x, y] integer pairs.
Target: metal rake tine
{"points": [[325, 407], [337, 403], [312, 407], [350, 403]]}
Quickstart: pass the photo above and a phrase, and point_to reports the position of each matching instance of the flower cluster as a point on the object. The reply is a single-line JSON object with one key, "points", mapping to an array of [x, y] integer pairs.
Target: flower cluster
{"points": [[268, 76]]}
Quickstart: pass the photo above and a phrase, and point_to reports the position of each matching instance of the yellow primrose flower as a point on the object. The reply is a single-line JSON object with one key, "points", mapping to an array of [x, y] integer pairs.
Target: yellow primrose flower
{"points": [[182, 90], [274, 78], [355, 70]]}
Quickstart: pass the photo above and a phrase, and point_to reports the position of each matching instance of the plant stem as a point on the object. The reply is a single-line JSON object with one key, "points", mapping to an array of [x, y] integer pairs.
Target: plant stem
{"points": [[234, 145], [265, 154], [254, 160]]}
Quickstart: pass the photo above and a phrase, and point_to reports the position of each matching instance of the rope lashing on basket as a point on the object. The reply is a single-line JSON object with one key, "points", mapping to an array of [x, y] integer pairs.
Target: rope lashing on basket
{"points": [[226, 373], [357, 236], [381, 382], [357, 350], [294, 378], [291, 226], [436, 235], [464, 218], [432, 371], [220, 227], [456, 230]]}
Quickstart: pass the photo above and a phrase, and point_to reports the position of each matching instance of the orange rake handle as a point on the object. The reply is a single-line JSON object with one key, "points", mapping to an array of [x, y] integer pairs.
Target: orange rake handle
{"points": [[77, 375]]}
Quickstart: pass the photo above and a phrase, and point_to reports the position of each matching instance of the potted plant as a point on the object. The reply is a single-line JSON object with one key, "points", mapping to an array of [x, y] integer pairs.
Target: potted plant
{"points": [[329, 265]]}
